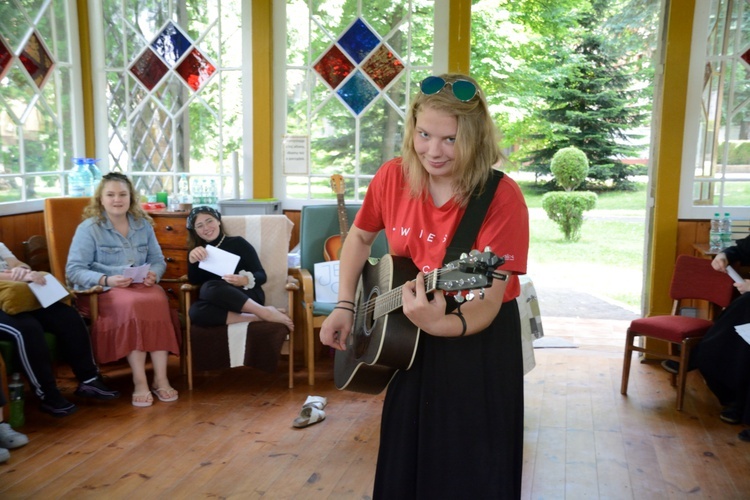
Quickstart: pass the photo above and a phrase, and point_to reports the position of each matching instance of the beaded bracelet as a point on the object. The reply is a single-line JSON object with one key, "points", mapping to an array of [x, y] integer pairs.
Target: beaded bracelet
{"points": [[344, 308], [463, 322]]}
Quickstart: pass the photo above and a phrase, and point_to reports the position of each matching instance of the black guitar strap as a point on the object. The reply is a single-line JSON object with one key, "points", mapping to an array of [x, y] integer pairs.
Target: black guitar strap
{"points": [[476, 211]]}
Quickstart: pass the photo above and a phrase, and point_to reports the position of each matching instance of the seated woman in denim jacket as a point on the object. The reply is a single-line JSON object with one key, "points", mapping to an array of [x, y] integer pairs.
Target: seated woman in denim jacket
{"points": [[134, 318]]}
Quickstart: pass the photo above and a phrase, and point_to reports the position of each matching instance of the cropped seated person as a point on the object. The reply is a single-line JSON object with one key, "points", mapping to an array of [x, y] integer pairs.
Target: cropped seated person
{"points": [[9, 438], [134, 319], [232, 298], [722, 356], [26, 331]]}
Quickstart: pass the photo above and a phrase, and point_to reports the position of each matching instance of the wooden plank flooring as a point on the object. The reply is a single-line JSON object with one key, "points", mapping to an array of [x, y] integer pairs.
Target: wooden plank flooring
{"points": [[233, 436]]}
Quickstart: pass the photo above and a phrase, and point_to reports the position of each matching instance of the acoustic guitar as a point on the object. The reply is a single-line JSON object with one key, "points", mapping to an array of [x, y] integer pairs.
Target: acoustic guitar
{"points": [[383, 339], [333, 244]]}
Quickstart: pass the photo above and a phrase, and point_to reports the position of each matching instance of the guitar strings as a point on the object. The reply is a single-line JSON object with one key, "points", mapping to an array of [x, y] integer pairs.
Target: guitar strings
{"points": [[393, 298]]}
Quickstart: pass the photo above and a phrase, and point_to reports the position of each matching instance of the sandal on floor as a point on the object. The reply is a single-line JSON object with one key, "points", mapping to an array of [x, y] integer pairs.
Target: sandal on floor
{"points": [[142, 400], [318, 402], [309, 416], [166, 395]]}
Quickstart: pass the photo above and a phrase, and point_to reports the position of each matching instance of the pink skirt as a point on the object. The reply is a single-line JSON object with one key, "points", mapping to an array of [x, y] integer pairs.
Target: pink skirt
{"points": [[137, 318]]}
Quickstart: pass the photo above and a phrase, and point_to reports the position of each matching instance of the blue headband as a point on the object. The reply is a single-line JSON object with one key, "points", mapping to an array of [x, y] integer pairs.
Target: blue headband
{"points": [[203, 209]]}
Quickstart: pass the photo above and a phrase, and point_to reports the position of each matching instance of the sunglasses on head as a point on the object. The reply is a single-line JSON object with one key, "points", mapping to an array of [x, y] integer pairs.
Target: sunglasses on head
{"points": [[463, 90]]}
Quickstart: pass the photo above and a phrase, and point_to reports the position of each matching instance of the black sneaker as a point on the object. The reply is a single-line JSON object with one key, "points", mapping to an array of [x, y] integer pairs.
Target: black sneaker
{"points": [[57, 406], [96, 389], [671, 366]]}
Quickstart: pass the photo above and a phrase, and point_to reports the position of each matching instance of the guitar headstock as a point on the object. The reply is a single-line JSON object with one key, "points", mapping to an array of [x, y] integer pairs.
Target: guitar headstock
{"points": [[337, 184], [471, 271]]}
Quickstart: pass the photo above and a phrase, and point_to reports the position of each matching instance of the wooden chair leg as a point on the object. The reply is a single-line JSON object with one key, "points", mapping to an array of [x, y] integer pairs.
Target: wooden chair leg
{"points": [[626, 362]]}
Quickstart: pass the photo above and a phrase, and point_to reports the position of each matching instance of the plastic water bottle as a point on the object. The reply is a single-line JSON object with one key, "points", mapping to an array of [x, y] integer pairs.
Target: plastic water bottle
{"points": [[213, 195], [184, 190], [96, 174], [16, 390], [80, 179], [725, 227], [714, 235]]}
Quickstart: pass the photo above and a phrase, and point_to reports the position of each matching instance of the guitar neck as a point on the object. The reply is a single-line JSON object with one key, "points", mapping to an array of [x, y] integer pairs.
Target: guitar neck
{"points": [[394, 299], [343, 218]]}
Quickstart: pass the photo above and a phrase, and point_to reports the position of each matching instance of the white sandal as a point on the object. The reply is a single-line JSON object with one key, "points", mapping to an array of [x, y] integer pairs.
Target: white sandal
{"points": [[309, 416], [318, 402]]}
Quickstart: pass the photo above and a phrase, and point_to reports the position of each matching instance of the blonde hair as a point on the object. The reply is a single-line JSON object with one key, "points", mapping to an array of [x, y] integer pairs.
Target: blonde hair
{"points": [[96, 210], [476, 147]]}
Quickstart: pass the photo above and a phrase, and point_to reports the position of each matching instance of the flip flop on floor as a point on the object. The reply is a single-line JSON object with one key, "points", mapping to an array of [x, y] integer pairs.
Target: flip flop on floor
{"points": [[142, 400], [309, 416], [318, 402], [167, 394]]}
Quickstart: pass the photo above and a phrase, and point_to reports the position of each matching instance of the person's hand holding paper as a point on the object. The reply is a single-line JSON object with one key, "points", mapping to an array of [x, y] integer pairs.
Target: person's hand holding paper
{"points": [[219, 262]]}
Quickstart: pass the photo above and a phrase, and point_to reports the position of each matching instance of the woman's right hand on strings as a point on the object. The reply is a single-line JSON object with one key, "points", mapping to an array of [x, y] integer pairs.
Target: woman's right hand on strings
{"points": [[336, 328], [197, 254], [119, 281]]}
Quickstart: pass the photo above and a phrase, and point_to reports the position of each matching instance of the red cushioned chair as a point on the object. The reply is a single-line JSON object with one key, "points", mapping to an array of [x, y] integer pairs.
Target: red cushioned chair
{"points": [[693, 279]]}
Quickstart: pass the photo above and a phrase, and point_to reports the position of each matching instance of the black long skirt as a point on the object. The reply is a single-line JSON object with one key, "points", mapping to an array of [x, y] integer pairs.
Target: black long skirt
{"points": [[452, 425], [723, 357]]}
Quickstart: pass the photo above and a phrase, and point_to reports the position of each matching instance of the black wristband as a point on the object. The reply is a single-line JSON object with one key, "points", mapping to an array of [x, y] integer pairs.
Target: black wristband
{"points": [[346, 302], [463, 322], [105, 279], [344, 308]]}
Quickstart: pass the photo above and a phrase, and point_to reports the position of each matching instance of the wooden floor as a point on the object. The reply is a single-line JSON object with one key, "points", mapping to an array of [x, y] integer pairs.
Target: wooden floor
{"points": [[233, 436]]}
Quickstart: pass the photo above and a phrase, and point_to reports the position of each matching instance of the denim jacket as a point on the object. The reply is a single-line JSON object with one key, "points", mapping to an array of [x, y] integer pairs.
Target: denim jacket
{"points": [[98, 249]]}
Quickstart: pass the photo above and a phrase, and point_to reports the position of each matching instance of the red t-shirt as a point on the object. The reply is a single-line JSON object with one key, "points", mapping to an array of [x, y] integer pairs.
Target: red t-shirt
{"points": [[419, 230]]}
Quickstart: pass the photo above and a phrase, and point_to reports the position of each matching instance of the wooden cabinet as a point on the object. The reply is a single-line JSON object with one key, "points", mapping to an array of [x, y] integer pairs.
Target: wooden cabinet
{"points": [[171, 234]]}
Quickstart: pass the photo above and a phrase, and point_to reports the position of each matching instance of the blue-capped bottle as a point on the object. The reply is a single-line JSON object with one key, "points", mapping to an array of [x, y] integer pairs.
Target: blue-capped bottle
{"points": [[96, 174], [80, 180]]}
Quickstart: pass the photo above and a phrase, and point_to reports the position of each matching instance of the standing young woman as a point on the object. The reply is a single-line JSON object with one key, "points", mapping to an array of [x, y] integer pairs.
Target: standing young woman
{"points": [[233, 298], [134, 318], [452, 425]]}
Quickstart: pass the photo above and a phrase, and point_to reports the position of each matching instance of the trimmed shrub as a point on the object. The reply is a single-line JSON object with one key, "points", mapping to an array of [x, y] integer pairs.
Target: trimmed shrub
{"points": [[566, 209], [570, 167]]}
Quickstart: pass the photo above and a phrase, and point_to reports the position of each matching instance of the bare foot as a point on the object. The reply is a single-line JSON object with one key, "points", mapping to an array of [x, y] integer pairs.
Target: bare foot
{"points": [[273, 315]]}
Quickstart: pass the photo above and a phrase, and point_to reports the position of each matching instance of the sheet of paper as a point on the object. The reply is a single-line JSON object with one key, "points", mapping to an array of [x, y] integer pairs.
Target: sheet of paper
{"points": [[327, 281], [219, 262], [137, 273], [734, 275], [744, 331], [50, 292]]}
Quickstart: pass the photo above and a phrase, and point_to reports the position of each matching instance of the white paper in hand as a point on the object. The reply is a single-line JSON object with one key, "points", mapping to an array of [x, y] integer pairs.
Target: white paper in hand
{"points": [[50, 292], [137, 273], [220, 262], [734, 275]]}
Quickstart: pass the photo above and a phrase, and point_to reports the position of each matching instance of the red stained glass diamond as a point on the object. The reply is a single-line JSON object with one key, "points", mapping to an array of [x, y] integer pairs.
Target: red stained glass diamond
{"points": [[5, 58], [195, 69], [334, 67], [37, 60], [149, 69], [383, 66]]}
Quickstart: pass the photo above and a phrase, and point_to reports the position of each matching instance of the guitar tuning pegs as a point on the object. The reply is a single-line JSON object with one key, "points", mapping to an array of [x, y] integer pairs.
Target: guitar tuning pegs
{"points": [[487, 249], [464, 255], [481, 294], [459, 298], [470, 295]]}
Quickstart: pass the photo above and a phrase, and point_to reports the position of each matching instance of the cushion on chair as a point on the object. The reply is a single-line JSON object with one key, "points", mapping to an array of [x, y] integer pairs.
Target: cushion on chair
{"points": [[16, 297], [323, 308], [671, 328], [262, 346]]}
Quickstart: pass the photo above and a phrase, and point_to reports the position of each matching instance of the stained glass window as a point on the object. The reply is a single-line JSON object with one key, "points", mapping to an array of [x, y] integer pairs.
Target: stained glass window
{"points": [[349, 75], [722, 160], [173, 91], [40, 118]]}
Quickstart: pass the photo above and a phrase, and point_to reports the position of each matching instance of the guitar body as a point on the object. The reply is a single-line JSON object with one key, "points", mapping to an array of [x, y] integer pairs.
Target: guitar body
{"points": [[332, 248], [380, 344]]}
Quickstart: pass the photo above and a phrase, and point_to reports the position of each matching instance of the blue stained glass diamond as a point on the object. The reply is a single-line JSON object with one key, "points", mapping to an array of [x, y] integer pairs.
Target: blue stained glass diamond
{"points": [[357, 92], [358, 41], [171, 43]]}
